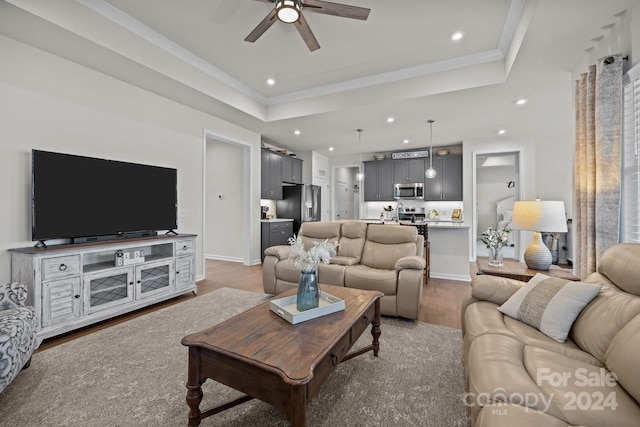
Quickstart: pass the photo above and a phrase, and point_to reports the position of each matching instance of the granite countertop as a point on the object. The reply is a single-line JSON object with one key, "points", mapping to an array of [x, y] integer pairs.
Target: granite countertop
{"points": [[441, 223], [277, 220]]}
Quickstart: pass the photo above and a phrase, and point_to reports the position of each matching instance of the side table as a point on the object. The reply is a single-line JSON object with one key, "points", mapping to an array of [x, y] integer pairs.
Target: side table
{"points": [[519, 271]]}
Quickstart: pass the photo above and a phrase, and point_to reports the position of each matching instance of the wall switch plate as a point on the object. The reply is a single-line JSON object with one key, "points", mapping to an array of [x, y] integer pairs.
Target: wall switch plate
{"points": [[183, 213]]}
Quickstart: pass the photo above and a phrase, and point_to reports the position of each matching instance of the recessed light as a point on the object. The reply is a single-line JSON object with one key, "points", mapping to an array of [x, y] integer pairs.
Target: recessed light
{"points": [[502, 132], [330, 148], [521, 101], [297, 132], [405, 141], [390, 119], [458, 35], [271, 82]]}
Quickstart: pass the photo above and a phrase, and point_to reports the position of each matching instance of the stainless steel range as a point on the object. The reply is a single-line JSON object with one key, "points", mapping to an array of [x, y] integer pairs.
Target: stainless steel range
{"points": [[411, 214]]}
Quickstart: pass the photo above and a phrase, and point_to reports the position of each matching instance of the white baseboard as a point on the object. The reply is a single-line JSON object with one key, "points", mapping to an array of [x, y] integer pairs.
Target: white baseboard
{"points": [[458, 277], [224, 258], [232, 259]]}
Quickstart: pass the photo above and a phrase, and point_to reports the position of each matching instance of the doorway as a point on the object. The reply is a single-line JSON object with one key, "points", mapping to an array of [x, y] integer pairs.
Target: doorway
{"points": [[346, 194], [227, 199], [497, 185]]}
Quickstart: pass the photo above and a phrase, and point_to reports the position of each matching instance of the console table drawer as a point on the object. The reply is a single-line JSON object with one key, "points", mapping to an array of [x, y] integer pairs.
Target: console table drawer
{"points": [[58, 267], [185, 248], [361, 325], [329, 363]]}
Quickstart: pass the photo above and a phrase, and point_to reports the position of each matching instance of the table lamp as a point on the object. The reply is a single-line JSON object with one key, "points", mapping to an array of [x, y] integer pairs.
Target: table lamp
{"points": [[539, 216]]}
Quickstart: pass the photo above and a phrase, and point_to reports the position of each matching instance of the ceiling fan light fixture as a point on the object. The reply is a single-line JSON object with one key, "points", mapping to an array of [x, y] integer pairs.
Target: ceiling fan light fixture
{"points": [[288, 11]]}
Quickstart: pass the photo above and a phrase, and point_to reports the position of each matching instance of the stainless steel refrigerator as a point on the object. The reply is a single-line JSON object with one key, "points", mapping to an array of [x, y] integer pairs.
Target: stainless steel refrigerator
{"points": [[299, 202]]}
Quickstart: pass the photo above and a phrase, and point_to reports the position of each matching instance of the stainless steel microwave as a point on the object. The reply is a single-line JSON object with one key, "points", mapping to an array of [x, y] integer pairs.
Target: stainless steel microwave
{"points": [[413, 191]]}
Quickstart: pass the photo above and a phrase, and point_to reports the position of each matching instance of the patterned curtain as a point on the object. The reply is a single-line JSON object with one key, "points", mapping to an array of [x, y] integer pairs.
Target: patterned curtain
{"points": [[597, 169]]}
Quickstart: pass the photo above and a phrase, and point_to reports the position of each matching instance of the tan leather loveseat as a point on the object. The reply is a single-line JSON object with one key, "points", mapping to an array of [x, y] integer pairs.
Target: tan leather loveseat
{"points": [[518, 376], [386, 258]]}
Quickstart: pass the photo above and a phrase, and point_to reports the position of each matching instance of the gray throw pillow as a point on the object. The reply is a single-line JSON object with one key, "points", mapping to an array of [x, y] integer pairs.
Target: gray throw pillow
{"points": [[550, 304]]}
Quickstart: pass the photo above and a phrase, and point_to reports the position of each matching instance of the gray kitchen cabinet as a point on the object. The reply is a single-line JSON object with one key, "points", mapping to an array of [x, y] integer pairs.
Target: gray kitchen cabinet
{"points": [[291, 170], [378, 181], [408, 171], [270, 175], [447, 185], [275, 233]]}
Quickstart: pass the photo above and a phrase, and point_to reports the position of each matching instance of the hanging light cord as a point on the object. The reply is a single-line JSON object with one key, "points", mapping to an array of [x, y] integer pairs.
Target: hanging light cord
{"points": [[360, 144], [431, 144], [360, 152], [431, 172]]}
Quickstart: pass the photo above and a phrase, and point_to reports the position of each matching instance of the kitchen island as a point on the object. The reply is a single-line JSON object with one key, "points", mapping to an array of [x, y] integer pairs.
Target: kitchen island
{"points": [[449, 250], [449, 247]]}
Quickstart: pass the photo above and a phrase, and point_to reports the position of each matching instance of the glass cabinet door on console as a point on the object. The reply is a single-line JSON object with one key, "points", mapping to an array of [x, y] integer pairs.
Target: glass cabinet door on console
{"points": [[154, 278], [107, 289]]}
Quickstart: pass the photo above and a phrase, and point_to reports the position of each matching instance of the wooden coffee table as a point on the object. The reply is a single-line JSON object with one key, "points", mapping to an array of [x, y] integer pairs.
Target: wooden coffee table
{"points": [[267, 358]]}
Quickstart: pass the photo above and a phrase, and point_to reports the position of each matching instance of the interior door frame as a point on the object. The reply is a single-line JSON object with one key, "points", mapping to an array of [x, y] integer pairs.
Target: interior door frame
{"points": [[520, 186], [249, 166], [333, 187]]}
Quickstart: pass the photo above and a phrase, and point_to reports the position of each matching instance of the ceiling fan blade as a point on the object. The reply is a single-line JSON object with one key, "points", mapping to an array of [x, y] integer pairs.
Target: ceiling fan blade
{"points": [[336, 9], [307, 35], [262, 27]]}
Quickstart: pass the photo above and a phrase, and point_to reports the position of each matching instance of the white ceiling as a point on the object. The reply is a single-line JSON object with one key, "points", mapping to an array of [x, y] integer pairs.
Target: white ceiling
{"points": [[399, 63]]}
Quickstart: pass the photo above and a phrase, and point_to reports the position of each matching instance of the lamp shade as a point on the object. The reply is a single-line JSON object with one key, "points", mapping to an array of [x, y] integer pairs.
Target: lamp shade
{"points": [[540, 215]]}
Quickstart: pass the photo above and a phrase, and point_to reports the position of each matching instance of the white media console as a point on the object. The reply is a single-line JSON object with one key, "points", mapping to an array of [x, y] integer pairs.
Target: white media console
{"points": [[75, 285]]}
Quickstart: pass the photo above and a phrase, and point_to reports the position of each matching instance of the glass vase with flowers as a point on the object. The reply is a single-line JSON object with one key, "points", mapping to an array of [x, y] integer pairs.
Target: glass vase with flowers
{"points": [[308, 260], [495, 240]]}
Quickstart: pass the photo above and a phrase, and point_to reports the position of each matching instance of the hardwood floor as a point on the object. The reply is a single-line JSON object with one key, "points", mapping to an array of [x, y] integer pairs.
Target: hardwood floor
{"points": [[441, 299]]}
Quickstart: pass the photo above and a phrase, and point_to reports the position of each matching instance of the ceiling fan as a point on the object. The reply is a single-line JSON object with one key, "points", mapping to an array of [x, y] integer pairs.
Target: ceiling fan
{"points": [[290, 12]]}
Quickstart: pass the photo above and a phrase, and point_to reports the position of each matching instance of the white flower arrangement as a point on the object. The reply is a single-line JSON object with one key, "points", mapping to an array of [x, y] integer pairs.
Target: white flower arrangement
{"points": [[309, 260], [495, 238]]}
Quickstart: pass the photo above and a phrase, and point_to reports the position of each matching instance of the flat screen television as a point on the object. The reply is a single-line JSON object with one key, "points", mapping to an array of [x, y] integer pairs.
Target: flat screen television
{"points": [[75, 197]]}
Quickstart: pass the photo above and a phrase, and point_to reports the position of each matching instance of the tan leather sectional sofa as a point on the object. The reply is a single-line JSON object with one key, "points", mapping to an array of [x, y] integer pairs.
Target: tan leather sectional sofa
{"points": [[385, 258], [517, 376]]}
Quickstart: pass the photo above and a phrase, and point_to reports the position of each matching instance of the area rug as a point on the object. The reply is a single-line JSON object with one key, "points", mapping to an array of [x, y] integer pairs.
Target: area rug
{"points": [[134, 373]]}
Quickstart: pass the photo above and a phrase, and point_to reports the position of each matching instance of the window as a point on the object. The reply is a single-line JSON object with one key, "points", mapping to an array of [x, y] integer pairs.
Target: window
{"points": [[630, 221]]}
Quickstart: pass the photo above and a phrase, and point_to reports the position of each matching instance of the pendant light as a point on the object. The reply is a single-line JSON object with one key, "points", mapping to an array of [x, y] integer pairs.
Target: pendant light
{"points": [[431, 172], [360, 174]]}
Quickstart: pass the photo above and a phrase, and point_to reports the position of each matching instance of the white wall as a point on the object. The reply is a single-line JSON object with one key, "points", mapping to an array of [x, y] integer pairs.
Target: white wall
{"points": [[52, 104], [546, 169], [554, 169], [224, 189]]}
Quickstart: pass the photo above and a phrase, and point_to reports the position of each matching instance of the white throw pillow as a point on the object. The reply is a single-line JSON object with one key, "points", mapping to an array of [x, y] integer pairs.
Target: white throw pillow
{"points": [[507, 215], [550, 304]]}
